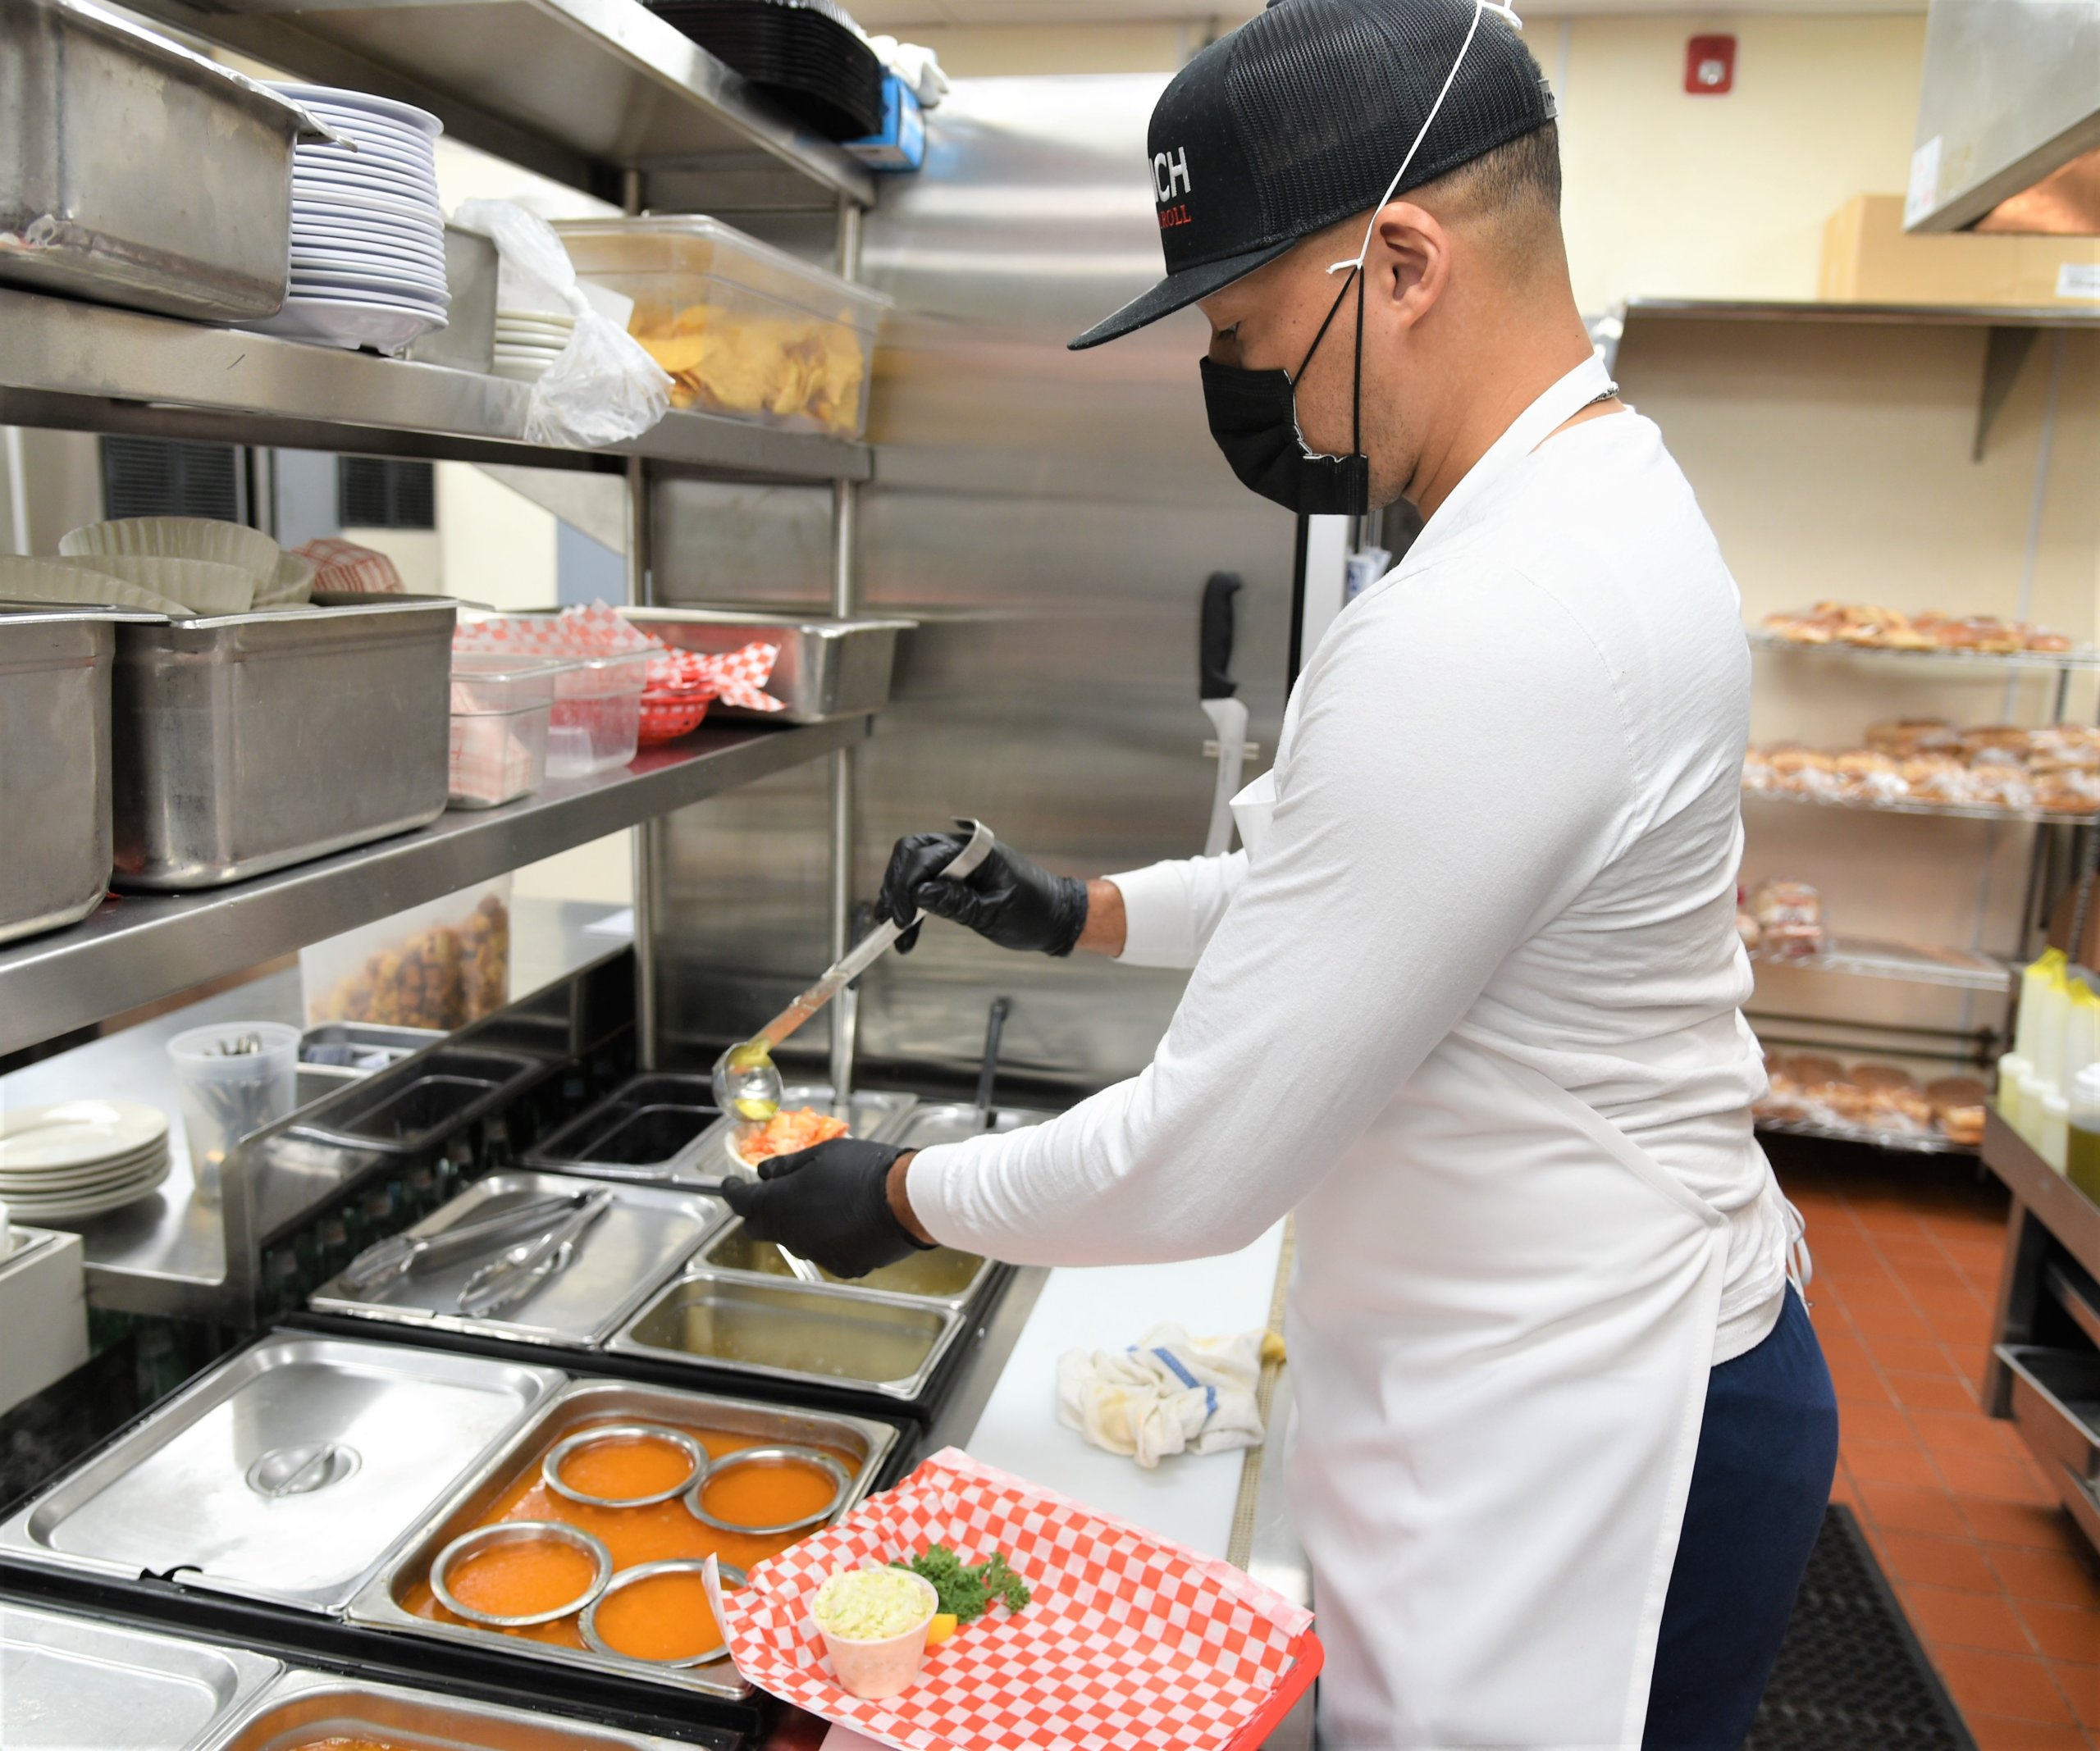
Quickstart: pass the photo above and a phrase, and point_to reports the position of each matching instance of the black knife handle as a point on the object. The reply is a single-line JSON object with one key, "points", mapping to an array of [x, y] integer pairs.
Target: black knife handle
{"points": [[1214, 637]]}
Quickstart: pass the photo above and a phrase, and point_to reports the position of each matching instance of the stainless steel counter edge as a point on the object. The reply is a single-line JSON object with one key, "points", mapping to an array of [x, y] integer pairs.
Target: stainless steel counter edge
{"points": [[423, 1708], [90, 367], [142, 947]]}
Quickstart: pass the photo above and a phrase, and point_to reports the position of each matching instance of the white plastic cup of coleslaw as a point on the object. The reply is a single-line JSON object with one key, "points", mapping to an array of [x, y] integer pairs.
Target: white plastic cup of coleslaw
{"points": [[874, 1622]]}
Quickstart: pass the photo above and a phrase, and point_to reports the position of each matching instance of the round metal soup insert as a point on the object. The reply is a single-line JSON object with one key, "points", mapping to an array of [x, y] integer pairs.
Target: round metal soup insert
{"points": [[520, 1573], [625, 1465], [766, 1490], [660, 1614]]}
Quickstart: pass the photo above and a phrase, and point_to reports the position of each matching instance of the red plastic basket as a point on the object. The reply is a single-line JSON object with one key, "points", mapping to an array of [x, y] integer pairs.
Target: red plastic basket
{"points": [[1294, 1683], [665, 717]]}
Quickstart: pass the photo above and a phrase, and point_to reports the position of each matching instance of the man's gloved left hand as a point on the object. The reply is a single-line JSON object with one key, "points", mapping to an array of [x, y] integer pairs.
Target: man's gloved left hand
{"points": [[829, 1204]]}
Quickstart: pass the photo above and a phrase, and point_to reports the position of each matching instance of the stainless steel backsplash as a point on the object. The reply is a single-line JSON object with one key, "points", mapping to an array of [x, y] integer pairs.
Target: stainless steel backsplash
{"points": [[1050, 516]]}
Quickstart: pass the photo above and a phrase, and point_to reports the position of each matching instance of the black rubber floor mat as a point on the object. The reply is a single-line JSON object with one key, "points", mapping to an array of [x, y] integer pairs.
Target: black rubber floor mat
{"points": [[1851, 1674]]}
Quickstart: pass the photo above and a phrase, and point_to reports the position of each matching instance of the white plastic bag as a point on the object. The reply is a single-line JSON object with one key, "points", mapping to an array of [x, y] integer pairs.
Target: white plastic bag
{"points": [[603, 388]]}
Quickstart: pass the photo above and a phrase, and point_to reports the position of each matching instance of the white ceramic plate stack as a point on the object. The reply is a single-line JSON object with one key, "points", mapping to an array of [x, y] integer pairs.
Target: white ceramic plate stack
{"points": [[528, 342], [79, 1158], [367, 232]]}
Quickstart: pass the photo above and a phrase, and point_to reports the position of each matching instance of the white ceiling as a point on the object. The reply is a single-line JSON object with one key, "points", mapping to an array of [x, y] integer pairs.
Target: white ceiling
{"points": [[893, 15]]}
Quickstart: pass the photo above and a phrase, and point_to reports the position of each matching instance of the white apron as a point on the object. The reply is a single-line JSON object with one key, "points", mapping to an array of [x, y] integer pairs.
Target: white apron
{"points": [[1501, 1417]]}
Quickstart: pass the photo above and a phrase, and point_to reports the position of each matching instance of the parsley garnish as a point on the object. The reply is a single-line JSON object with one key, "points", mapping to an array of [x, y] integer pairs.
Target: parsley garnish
{"points": [[968, 1589]]}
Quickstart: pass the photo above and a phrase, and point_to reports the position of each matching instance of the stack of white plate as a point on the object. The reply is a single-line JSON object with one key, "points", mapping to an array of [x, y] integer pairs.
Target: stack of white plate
{"points": [[79, 1158], [367, 232], [528, 342]]}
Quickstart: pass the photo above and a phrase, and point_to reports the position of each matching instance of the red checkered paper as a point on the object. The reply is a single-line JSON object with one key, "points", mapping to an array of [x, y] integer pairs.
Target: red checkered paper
{"points": [[1129, 1643], [738, 677]]}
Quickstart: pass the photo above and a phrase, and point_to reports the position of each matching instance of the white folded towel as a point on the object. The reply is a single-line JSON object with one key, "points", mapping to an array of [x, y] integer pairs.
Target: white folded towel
{"points": [[1167, 1393]]}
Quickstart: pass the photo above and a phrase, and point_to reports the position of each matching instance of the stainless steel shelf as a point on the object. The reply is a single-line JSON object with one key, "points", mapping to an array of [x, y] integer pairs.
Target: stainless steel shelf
{"points": [[140, 948], [1864, 957], [2085, 656], [1809, 310], [1952, 811], [579, 90], [1920, 1143], [2056, 1203], [91, 368]]}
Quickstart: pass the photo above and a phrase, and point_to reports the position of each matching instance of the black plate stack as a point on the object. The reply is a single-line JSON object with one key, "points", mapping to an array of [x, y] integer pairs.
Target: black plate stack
{"points": [[805, 55]]}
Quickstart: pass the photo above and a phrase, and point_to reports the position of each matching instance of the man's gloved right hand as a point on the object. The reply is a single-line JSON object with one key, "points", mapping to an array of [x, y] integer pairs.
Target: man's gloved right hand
{"points": [[1007, 899]]}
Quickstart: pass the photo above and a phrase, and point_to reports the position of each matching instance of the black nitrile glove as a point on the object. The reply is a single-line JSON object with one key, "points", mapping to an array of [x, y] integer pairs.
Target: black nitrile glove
{"points": [[829, 1204], [1006, 899]]}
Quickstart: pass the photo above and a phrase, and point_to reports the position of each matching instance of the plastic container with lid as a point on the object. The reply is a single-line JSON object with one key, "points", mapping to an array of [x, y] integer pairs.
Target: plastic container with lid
{"points": [[501, 706], [596, 720], [747, 330]]}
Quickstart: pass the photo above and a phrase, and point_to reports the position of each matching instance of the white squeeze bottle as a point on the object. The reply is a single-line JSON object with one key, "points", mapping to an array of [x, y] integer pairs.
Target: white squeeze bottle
{"points": [[2017, 1065], [2038, 1039], [2081, 1050]]}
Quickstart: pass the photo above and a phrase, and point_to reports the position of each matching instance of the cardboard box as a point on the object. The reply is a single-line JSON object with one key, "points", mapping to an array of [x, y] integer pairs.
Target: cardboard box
{"points": [[1868, 258]]}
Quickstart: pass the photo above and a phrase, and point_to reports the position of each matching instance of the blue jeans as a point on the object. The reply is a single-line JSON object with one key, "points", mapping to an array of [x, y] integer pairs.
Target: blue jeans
{"points": [[1768, 1450]]}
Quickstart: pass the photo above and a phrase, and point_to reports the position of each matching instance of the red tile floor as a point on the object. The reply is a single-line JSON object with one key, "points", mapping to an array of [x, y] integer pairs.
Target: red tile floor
{"points": [[1995, 1578]]}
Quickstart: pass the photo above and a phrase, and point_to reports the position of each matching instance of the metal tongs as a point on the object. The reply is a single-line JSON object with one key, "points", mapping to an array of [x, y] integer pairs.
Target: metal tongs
{"points": [[520, 1271], [402, 1255]]}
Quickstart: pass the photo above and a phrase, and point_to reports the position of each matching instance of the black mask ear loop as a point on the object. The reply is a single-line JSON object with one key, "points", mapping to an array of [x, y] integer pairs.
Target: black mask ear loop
{"points": [[1356, 390]]}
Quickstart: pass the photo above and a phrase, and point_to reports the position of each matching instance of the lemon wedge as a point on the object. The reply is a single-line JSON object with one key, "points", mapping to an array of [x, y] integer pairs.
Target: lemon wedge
{"points": [[940, 1629]]}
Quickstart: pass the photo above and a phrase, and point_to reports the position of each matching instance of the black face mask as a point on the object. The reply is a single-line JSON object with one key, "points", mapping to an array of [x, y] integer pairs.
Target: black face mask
{"points": [[1254, 416]]}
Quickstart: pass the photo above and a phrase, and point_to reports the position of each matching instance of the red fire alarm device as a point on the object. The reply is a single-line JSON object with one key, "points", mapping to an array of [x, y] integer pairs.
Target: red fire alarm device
{"points": [[1709, 66]]}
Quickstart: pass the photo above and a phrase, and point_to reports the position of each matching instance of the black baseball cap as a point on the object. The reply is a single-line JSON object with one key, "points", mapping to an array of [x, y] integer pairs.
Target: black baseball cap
{"points": [[1300, 117]]}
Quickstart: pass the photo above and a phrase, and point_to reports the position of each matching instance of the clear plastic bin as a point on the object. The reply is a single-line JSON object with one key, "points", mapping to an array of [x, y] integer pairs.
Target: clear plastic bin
{"points": [[501, 704], [745, 330], [442, 964], [596, 720]]}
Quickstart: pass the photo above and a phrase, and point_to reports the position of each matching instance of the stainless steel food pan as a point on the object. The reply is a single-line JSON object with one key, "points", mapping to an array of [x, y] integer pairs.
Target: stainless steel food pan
{"points": [[54, 767], [639, 1131], [135, 171], [940, 1274], [467, 340], [581, 1403], [361, 1048], [644, 1236], [287, 1473], [826, 669], [85, 1685], [302, 1707], [792, 1331], [957, 1122], [245, 742]]}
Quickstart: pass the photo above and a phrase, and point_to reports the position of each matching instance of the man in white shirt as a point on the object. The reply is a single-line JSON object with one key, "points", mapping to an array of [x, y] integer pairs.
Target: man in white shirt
{"points": [[1468, 999]]}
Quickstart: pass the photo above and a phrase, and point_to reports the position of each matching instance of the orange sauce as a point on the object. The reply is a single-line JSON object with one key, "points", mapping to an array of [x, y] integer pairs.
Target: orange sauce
{"points": [[665, 1617], [519, 1580], [623, 1471], [766, 1495], [336, 1742], [634, 1535]]}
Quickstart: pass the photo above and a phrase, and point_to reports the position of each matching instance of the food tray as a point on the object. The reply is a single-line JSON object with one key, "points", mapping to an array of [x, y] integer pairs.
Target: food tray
{"points": [[303, 1706], [138, 172], [287, 1473], [387, 1600], [86, 1685], [1134, 1643], [746, 330], [1907, 1143], [638, 1131], [941, 1274], [811, 1334], [361, 1048], [826, 669], [644, 1237], [218, 723], [55, 774]]}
